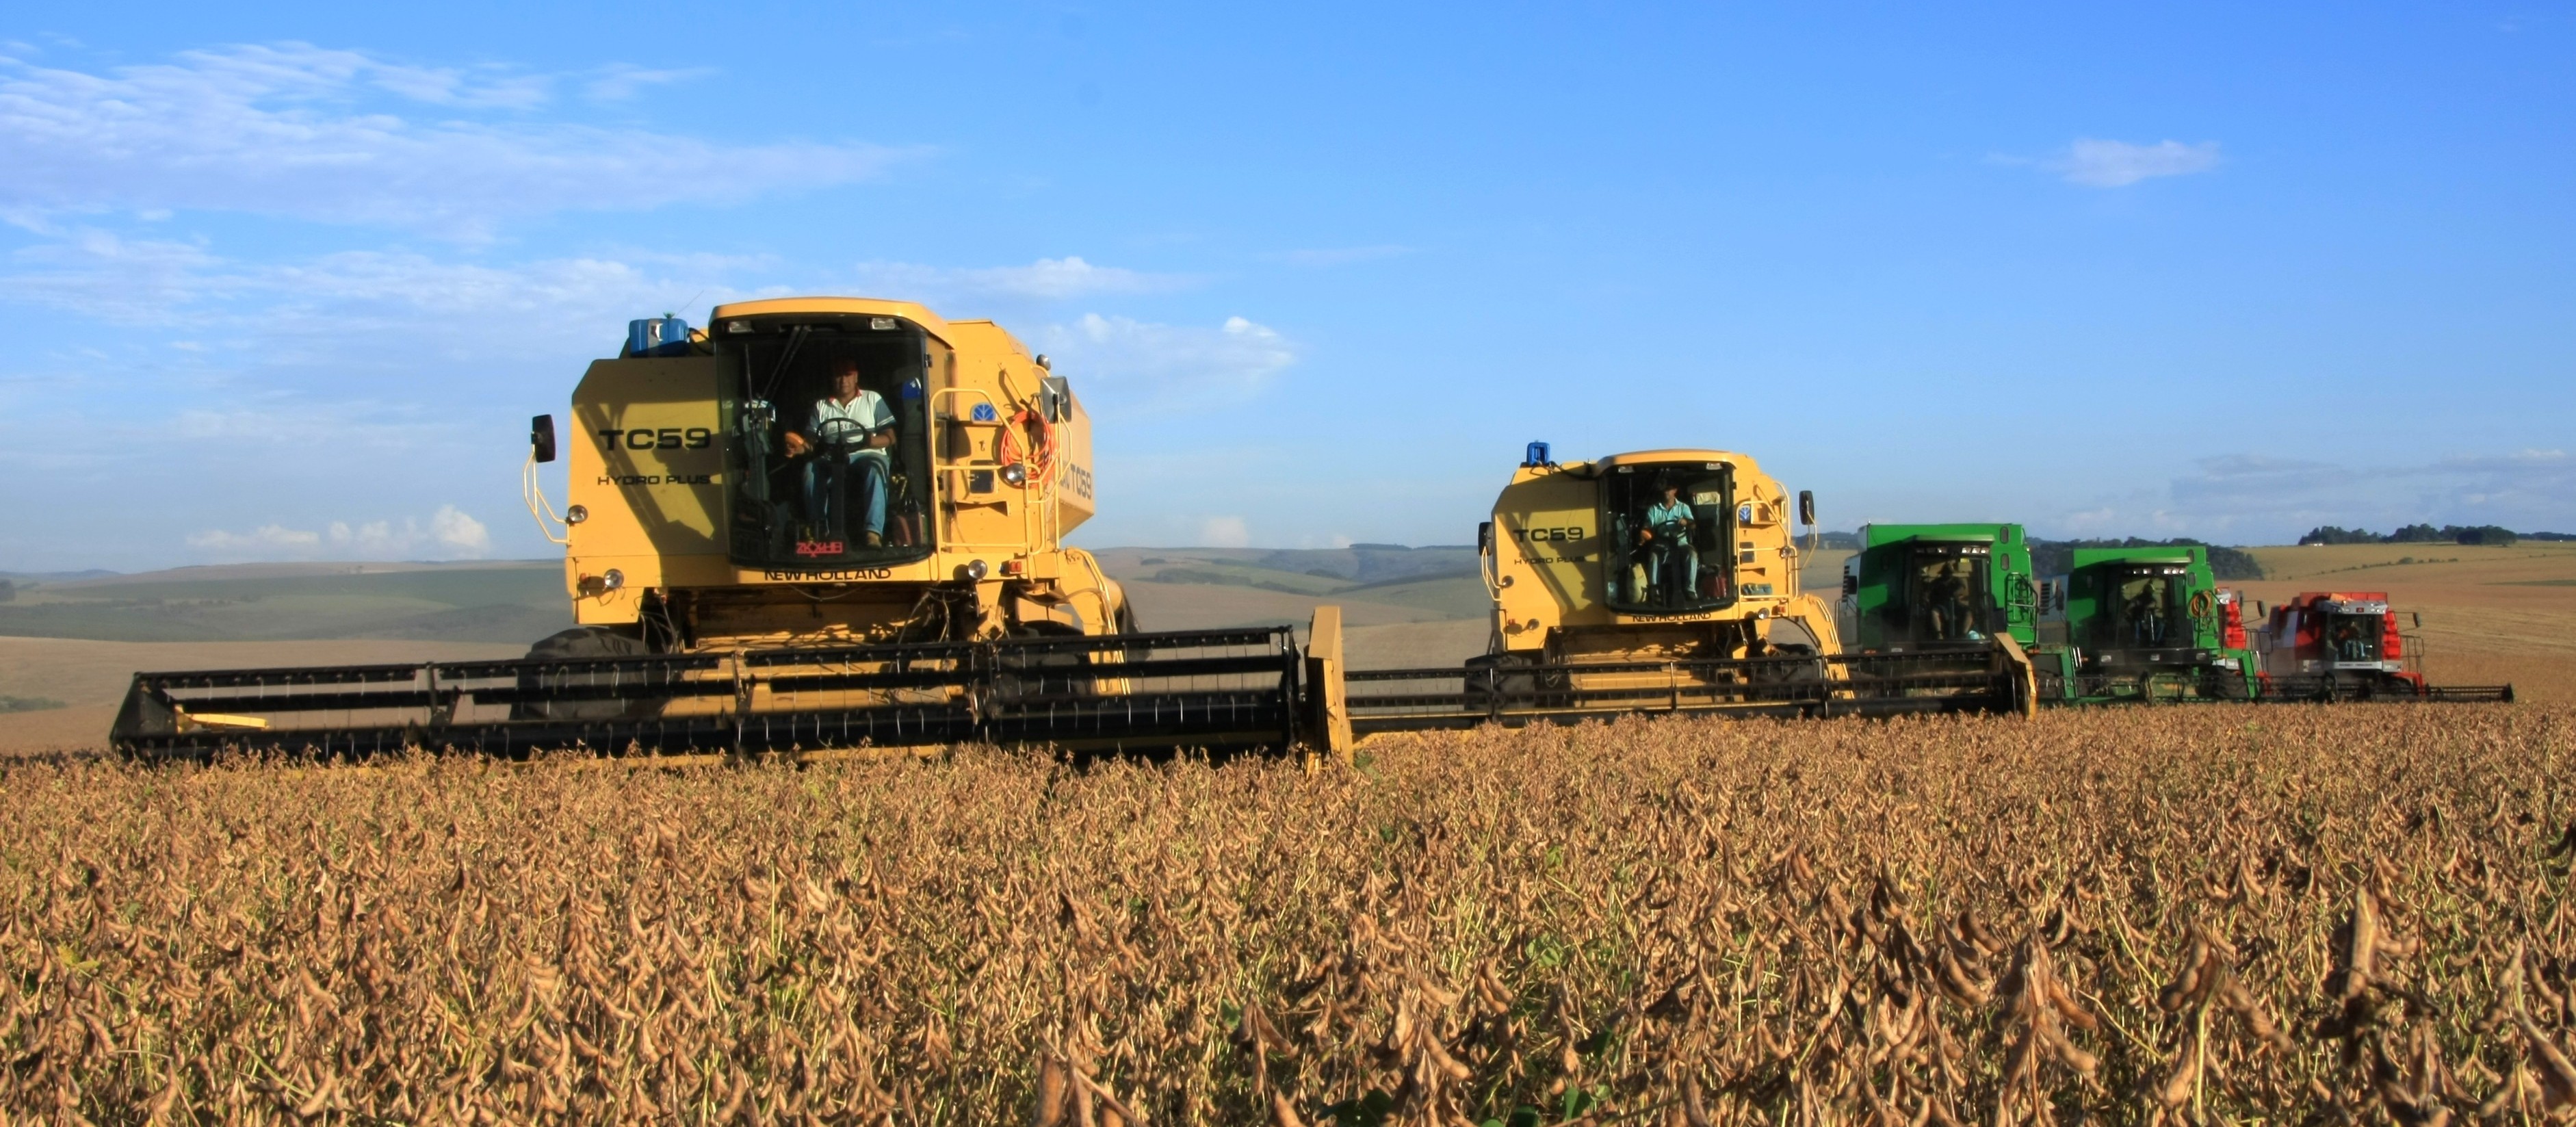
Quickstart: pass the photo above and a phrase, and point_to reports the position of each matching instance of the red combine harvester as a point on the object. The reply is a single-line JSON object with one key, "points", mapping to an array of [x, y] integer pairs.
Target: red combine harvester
{"points": [[2345, 645]]}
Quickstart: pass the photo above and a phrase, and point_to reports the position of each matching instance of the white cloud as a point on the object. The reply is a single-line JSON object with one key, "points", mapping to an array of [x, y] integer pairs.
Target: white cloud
{"points": [[1147, 361], [1224, 532], [2253, 498], [459, 533], [1047, 279], [103, 274], [1341, 256], [2118, 164], [336, 297], [620, 82], [268, 541], [449, 535], [338, 136], [237, 359]]}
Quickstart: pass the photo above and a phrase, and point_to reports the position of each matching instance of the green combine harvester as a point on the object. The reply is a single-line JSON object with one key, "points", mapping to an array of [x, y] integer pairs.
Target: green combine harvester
{"points": [[2148, 623], [2124, 624]]}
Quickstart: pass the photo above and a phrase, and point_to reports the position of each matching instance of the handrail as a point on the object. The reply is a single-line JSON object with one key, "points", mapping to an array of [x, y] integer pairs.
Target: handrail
{"points": [[978, 393], [532, 493]]}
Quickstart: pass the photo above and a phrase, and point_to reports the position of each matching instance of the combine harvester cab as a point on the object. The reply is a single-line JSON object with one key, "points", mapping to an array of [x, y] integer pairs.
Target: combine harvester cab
{"points": [[821, 524], [2345, 645], [2147, 624], [1665, 581], [1944, 594]]}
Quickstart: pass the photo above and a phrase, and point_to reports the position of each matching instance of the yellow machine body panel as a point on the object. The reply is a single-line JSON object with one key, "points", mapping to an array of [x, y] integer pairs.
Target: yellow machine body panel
{"points": [[648, 481], [1649, 555], [709, 507]]}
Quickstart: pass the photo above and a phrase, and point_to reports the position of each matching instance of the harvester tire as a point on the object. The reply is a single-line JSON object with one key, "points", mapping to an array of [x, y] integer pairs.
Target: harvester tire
{"points": [[1023, 676], [572, 645], [1494, 684]]}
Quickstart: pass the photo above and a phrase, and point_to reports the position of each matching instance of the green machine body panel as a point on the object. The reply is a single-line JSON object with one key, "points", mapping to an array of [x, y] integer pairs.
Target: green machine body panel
{"points": [[1914, 587], [2147, 623]]}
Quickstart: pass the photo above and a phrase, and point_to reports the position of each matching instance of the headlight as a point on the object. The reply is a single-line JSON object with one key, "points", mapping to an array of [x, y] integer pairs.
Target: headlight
{"points": [[576, 514], [1015, 475], [975, 570], [613, 580]]}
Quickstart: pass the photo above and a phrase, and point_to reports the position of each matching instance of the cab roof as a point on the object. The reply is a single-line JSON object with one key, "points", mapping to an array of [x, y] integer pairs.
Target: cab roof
{"points": [[1877, 535], [2142, 554], [914, 312], [1684, 454]]}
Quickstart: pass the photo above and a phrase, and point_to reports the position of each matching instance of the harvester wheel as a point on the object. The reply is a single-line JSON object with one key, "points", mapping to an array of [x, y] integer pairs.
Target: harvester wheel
{"points": [[1023, 676], [1493, 683], [577, 644], [1800, 675]]}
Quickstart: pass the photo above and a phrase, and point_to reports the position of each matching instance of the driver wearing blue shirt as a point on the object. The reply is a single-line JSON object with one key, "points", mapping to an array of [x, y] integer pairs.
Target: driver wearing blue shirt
{"points": [[1667, 540], [850, 430]]}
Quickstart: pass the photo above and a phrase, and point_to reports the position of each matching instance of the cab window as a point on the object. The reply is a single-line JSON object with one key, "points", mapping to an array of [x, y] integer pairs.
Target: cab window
{"points": [[830, 452], [1671, 532], [1948, 595], [2353, 637], [2146, 609]]}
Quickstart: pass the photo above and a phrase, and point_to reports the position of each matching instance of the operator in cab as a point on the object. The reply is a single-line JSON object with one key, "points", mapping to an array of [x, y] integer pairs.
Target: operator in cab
{"points": [[848, 434], [1945, 601], [2147, 613], [1667, 540]]}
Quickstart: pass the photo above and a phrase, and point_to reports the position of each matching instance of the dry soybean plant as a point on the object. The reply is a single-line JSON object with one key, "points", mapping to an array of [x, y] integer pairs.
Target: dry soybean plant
{"points": [[2181, 915]]}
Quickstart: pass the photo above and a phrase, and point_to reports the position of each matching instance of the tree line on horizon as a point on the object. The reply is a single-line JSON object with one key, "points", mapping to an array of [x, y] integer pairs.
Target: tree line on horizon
{"points": [[2483, 534]]}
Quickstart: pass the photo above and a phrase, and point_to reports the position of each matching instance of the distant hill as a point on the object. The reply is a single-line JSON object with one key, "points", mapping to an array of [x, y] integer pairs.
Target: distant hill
{"points": [[517, 601], [1189, 588], [31, 578]]}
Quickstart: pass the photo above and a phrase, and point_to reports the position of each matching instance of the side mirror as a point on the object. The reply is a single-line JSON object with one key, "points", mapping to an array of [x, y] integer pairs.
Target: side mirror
{"points": [[541, 438], [1055, 397], [1807, 507], [1485, 539]]}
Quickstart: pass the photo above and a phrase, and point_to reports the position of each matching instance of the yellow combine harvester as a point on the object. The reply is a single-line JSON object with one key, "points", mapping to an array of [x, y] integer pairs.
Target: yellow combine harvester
{"points": [[821, 523], [1664, 581]]}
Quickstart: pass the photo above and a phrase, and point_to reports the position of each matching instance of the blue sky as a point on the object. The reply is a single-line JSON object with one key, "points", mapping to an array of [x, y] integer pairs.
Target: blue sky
{"points": [[285, 281]]}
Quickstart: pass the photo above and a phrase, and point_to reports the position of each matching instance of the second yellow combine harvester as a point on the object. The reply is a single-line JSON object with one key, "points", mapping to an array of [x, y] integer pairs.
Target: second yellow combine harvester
{"points": [[825, 524], [1665, 581]]}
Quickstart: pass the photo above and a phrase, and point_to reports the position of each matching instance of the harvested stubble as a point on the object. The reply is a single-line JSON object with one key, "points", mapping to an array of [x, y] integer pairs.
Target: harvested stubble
{"points": [[2189, 914]]}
